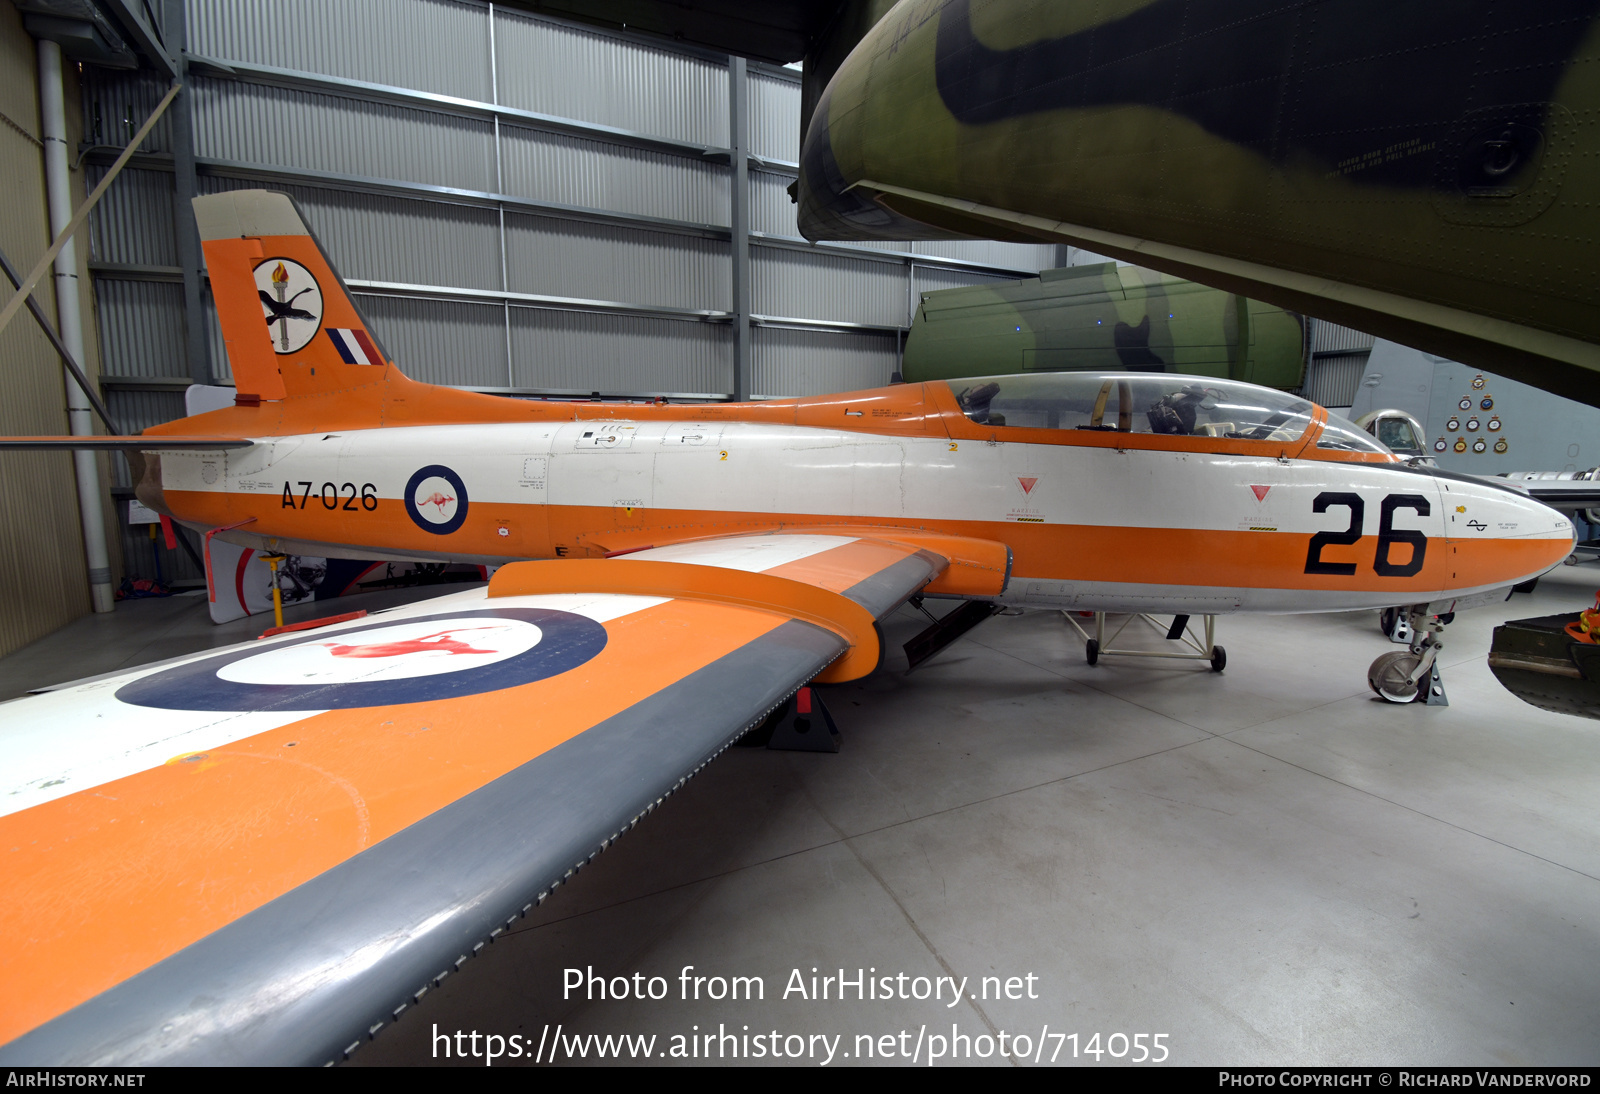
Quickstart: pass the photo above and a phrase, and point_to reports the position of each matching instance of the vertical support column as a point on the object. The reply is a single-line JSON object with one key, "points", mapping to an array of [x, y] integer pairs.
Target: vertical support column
{"points": [[197, 347], [1310, 363], [500, 206], [69, 321], [739, 221], [902, 336]]}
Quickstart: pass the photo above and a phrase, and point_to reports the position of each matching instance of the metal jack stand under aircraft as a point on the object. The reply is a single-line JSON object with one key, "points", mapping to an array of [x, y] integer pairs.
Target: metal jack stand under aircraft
{"points": [[1204, 650]]}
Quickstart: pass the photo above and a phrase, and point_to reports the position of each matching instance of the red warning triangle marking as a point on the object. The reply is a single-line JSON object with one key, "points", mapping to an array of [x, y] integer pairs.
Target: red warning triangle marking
{"points": [[1027, 484], [1261, 492]]}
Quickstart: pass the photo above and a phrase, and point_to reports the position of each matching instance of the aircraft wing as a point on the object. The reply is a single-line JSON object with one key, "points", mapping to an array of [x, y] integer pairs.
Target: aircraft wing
{"points": [[264, 853], [1566, 495]]}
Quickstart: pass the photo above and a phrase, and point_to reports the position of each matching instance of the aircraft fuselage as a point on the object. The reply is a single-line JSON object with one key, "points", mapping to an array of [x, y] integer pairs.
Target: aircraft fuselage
{"points": [[1094, 519]]}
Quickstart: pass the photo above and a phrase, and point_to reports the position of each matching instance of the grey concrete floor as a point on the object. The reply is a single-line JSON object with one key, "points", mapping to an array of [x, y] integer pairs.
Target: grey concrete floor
{"points": [[1267, 866]]}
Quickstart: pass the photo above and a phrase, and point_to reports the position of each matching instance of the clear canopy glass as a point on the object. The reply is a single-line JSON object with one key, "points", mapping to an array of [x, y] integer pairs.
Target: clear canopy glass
{"points": [[1399, 435], [1345, 436], [1197, 406]]}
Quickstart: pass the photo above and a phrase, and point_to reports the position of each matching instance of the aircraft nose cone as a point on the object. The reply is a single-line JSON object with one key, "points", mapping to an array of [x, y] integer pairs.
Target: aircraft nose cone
{"points": [[1548, 535], [1498, 536]]}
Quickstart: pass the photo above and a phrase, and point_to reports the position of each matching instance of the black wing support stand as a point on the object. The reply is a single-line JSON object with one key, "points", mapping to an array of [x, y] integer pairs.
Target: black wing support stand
{"points": [[801, 724]]}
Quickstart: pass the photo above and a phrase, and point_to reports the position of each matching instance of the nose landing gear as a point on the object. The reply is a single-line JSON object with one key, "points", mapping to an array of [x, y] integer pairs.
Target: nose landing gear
{"points": [[1412, 675]]}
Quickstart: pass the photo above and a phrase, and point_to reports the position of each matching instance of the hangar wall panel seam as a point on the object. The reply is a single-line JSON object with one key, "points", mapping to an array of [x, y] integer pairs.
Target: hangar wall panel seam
{"points": [[257, 123], [437, 45], [786, 358], [377, 237], [774, 116], [576, 171], [574, 350], [587, 74]]}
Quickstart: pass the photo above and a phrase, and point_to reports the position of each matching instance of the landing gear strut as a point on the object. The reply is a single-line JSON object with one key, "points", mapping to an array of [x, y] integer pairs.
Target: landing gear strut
{"points": [[1412, 675]]}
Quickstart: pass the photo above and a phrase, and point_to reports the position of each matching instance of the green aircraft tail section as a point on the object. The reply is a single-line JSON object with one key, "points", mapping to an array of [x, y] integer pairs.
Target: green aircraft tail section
{"points": [[1100, 318]]}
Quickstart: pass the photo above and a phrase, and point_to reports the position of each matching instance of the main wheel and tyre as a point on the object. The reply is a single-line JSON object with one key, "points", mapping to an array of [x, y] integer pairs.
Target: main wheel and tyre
{"points": [[1091, 651], [1386, 620], [1388, 674], [1219, 658]]}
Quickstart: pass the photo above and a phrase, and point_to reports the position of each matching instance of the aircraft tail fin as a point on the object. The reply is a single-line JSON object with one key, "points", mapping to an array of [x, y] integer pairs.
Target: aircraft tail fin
{"points": [[289, 322]]}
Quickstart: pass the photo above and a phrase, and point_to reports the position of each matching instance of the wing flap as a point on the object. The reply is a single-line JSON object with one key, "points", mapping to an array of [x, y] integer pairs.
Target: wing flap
{"points": [[638, 575], [965, 566], [308, 878]]}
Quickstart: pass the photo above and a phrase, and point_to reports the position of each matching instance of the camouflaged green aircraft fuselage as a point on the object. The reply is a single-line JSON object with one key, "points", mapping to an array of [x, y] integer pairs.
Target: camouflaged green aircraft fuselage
{"points": [[1103, 317], [1428, 172]]}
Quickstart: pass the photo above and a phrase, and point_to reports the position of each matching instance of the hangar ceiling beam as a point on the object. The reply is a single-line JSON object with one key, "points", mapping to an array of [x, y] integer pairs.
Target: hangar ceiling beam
{"points": [[366, 91], [426, 191], [739, 221], [778, 31], [186, 236], [157, 48]]}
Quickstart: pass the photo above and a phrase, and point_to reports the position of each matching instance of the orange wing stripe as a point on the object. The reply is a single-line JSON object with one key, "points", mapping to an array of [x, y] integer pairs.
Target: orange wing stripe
{"points": [[106, 882], [646, 577], [840, 568], [977, 567]]}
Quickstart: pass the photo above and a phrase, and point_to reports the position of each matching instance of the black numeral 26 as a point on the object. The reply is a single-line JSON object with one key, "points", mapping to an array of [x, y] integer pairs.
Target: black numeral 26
{"points": [[1388, 535]]}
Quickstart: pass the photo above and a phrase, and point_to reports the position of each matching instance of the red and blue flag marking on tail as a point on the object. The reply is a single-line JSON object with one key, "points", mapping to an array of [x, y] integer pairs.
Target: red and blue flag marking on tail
{"points": [[355, 346]]}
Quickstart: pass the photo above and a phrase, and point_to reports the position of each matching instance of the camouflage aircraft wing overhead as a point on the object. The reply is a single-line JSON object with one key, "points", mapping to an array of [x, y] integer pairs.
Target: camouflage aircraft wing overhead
{"points": [[1424, 172], [1103, 317]]}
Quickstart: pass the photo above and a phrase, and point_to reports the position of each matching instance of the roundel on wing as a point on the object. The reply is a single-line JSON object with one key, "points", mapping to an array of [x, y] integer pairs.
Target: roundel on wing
{"points": [[436, 499], [415, 660], [291, 303]]}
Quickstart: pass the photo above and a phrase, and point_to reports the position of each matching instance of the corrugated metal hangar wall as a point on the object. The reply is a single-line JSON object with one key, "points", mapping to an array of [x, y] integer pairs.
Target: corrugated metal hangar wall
{"points": [[523, 206]]}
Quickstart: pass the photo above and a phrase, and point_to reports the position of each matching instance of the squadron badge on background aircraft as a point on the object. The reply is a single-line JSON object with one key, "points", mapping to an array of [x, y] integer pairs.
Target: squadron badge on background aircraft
{"points": [[291, 302]]}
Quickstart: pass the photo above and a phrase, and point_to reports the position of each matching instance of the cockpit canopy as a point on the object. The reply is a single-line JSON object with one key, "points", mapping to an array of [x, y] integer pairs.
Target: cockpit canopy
{"points": [[1396, 429], [1193, 406]]}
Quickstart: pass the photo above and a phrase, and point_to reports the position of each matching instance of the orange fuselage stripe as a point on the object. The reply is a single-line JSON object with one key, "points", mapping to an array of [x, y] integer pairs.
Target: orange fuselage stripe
{"points": [[1063, 552]]}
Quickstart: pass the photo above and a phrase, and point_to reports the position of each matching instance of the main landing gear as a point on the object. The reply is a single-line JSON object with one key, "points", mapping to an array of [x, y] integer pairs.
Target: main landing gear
{"points": [[1411, 675]]}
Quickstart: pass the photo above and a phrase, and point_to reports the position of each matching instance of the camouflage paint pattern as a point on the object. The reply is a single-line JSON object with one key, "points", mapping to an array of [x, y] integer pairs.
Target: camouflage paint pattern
{"points": [[1104, 317], [1426, 172]]}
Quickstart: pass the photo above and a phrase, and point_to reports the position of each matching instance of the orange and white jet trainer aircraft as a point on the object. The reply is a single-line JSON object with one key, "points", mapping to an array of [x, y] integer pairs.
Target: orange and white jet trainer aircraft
{"points": [[296, 837]]}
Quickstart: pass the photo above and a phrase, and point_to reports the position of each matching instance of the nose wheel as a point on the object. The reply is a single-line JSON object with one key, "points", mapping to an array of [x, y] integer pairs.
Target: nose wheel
{"points": [[1412, 675], [1394, 676]]}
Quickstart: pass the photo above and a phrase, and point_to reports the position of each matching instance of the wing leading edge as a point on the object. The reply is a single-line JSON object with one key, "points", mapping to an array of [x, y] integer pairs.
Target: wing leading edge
{"points": [[264, 853]]}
